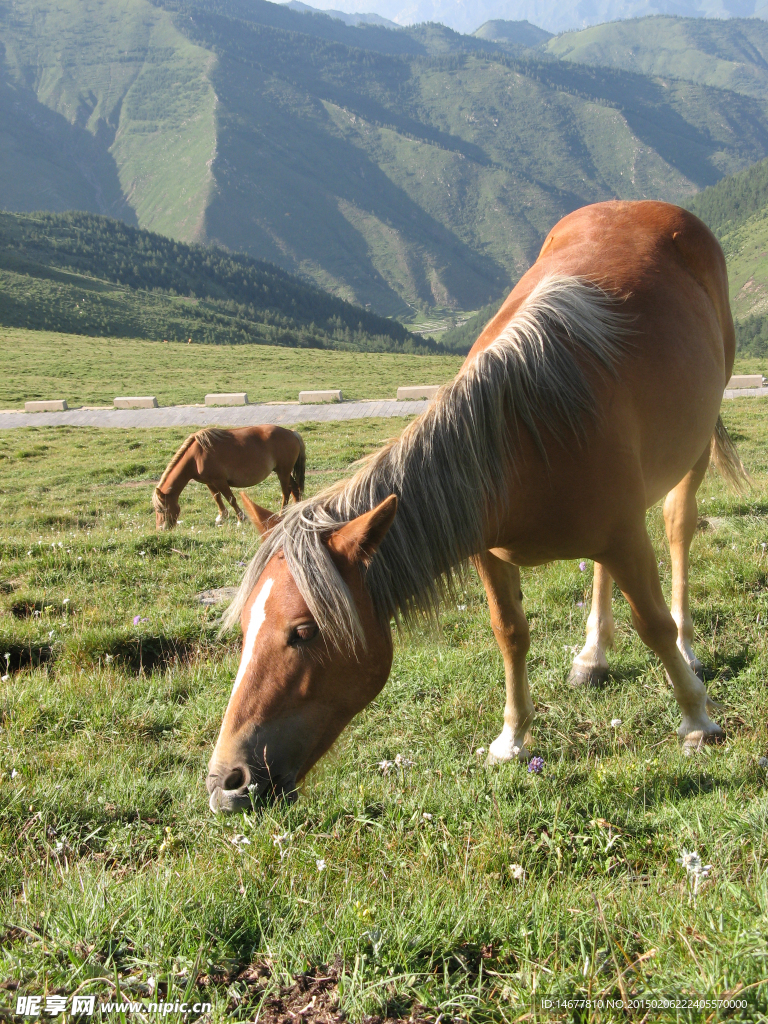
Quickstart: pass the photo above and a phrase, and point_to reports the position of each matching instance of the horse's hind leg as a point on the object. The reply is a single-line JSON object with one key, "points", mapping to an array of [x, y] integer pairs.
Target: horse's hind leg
{"points": [[223, 513], [680, 518], [634, 568], [287, 486], [501, 580], [590, 666]]}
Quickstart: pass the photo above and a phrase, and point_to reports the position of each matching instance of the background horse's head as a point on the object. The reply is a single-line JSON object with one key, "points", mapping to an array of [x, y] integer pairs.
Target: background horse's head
{"points": [[296, 687], [166, 508]]}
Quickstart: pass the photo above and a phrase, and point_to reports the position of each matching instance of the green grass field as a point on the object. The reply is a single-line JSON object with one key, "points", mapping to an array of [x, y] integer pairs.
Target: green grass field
{"points": [[399, 888], [92, 371]]}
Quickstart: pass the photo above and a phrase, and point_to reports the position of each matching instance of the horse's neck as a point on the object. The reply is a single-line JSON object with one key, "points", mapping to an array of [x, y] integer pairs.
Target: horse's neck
{"points": [[180, 475], [438, 526]]}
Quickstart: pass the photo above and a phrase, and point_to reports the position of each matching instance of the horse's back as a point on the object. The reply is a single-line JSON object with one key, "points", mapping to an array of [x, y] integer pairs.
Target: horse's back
{"points": [[655, 416], [648, 253]]}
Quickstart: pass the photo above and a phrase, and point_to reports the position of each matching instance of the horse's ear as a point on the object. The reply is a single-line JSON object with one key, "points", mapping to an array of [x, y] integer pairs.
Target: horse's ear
{"points": [[264, 520], [359, 540]]}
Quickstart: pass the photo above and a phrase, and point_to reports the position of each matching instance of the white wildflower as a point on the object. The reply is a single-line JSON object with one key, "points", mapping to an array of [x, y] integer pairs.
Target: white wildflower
{"points": [[615, 723], [480, 751], [279, 840], [320, 864], [385, 765], [697, 871], [461, 607], [14, 773], [240, 840], [426, 816], [517, 871], [403, 762]]}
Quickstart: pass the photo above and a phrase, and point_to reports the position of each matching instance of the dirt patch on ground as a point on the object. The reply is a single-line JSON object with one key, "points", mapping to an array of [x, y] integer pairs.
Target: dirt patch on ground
{"points": [[313, 998]]}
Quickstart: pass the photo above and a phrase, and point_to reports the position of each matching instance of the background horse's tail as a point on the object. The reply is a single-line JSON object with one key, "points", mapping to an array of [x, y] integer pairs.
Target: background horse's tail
{"points": [[300, 464], [725, 459]]}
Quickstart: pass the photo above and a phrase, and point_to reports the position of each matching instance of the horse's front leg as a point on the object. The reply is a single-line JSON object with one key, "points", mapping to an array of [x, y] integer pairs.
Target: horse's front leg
{"points": [[501, 580], [590, 666], [223, 513]]}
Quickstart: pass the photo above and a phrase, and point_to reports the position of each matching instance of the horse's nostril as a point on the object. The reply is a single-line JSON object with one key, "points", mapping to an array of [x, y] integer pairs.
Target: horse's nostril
{"points": [[235, 779]]}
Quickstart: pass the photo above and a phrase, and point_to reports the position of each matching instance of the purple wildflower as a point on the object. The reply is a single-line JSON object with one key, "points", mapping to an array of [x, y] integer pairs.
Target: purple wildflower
{"points": [[582, 566], [137, 619], [536, 765]]}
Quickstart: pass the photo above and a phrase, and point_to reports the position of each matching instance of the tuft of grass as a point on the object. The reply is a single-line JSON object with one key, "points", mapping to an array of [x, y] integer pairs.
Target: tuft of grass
{"points": [[114, 871]]}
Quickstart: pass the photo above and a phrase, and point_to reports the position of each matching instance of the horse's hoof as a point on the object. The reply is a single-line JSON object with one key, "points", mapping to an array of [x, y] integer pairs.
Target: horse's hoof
{"points": [[695, 740], [592, 677], [504, 749]]}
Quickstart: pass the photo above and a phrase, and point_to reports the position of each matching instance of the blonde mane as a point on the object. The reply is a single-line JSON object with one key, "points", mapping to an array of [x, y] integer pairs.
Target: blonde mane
{"points": [[175, 460], [452, 467]]}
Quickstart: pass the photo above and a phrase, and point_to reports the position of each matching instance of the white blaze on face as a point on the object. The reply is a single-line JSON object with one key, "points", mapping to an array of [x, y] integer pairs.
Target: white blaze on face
{"points": [[258, 615]]}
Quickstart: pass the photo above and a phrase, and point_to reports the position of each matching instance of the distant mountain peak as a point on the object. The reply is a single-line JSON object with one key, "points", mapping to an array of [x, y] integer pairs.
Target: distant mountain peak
{"points": [[520, 33], [349, 19]]}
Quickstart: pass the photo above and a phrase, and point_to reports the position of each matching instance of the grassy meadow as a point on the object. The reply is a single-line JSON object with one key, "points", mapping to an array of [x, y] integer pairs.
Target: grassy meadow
{"points": [[435, 889], [92, 371]]}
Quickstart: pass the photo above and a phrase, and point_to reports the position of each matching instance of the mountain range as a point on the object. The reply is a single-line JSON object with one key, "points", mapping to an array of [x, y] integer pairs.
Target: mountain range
{"points": [[553, 15], [402, 170]]}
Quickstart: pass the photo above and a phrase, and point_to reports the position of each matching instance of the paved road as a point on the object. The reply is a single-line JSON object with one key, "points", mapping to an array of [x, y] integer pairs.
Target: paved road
{"points": [[203, 416], [238, 416]]}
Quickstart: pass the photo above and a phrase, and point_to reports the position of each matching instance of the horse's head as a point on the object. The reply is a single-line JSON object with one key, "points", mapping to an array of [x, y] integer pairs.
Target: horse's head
{"points": [[296, 688], [166, 508]]}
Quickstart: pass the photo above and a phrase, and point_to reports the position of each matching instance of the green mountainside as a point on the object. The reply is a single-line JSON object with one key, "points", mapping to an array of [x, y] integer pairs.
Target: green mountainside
{"points": [[401, 170], [737, 211], [84, 274], [729, 54]]}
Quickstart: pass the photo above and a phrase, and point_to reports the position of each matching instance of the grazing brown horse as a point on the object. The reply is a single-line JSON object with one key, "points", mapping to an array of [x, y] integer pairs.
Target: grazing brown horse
{"points": [[592, 393], [223, 459]]}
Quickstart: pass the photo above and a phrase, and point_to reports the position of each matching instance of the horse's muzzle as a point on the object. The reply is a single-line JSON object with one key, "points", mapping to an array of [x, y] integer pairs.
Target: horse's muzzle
{"points": [[237, 792]]}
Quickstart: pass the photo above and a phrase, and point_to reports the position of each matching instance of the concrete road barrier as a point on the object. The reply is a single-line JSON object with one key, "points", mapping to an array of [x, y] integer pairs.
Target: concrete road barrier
{"points": [[315, 397], [142, 402], [745, 380], [417, 391], [51, 405], [227, 398]]}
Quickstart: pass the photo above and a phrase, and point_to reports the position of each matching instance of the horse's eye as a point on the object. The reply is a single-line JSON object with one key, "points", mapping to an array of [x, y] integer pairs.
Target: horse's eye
{"points": [[303, 634]]}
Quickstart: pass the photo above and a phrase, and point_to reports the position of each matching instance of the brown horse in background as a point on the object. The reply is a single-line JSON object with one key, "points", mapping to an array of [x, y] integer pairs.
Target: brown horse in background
{"points": [[593, 392], [223, 459]]}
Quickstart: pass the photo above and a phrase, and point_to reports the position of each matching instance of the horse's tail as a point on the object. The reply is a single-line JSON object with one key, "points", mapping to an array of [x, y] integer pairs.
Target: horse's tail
{"points": [[300, 465], [175, 459], [725, 458]]}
